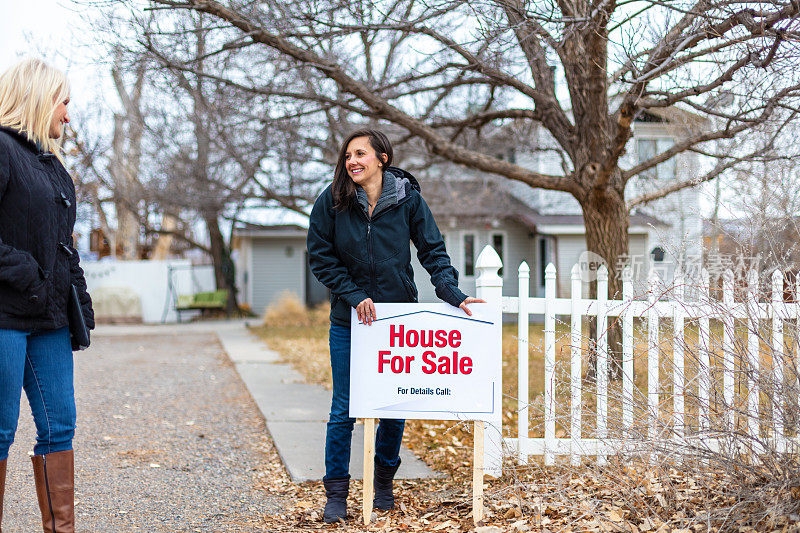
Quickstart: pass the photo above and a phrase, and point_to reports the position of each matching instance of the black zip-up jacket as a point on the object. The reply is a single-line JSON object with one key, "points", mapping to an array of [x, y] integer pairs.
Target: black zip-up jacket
{"points": [[357, 256], [37, 258]]}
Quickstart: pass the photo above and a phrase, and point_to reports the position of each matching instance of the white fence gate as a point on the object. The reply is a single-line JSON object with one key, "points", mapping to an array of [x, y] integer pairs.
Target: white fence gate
{"points": [[763, 411]]}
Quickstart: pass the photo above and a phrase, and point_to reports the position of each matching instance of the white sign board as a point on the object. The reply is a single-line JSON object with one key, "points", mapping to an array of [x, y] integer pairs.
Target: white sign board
{"points": [[427, 361]]}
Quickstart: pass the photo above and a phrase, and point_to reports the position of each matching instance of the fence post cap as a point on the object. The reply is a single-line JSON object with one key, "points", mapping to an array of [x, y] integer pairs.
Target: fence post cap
{"points": [[524, 268], [602, 273], [488, 258], [728, 275], [550, 271], [576, 272]]}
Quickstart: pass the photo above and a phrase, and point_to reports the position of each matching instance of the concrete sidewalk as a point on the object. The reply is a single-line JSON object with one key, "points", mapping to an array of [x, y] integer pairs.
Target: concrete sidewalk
{"points": [[295, 412]]}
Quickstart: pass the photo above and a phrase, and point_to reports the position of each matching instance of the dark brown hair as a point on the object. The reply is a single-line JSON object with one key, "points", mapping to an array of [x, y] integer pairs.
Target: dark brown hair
{"points": [[343, 188]]}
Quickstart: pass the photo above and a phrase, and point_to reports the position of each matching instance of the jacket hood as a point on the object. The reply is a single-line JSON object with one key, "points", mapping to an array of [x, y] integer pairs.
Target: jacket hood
{"points": [[21, 137], [405, 181]]}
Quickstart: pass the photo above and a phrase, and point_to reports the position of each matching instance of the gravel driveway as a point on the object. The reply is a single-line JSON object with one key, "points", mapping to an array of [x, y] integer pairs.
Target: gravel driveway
{"points": [[168, 439]]}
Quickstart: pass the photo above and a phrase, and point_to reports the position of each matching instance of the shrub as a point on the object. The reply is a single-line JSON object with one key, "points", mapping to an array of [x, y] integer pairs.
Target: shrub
{"points": [[289, 311]]}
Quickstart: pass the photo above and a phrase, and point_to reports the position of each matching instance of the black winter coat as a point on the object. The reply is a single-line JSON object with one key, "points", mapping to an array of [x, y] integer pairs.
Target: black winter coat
{"points": [[357, 256], [37, 258]]}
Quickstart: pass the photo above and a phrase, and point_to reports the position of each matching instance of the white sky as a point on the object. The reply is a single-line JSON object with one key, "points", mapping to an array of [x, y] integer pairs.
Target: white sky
{"points": [[55, 31]]}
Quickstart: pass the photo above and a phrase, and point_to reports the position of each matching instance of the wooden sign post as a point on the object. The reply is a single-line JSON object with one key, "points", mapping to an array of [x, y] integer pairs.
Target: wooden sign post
{"points": [[369, 468], [477, 473], [369, 471]]}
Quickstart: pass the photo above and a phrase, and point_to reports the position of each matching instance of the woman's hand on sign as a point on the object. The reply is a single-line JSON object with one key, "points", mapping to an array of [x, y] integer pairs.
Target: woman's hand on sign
{"points": [[470, 300], [366, 311]]}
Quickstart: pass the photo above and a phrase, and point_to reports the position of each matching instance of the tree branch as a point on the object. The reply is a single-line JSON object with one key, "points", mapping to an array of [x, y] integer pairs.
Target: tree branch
{"points": [[675, 187], [727, 133], [436, 142]]}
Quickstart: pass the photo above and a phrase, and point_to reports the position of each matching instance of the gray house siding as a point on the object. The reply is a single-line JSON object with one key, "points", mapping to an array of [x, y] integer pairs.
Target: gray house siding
{"points": [[518, 246], [568, 251], [278, 266]]}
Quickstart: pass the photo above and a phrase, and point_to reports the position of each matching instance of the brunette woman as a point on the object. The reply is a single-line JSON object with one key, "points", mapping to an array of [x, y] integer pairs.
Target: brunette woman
{"points": [[358, 245]]}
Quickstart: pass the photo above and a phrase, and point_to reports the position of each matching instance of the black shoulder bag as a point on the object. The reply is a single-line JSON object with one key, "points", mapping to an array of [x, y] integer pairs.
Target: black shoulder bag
{"points": [[78, 332]]}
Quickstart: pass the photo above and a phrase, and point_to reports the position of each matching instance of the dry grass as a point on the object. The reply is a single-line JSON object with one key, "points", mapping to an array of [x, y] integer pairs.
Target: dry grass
{"points": [[300, 335], [288, 311]]}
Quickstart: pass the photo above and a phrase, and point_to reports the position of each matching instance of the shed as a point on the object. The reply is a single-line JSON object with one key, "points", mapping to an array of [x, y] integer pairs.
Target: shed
{"points": [[272, 260]]}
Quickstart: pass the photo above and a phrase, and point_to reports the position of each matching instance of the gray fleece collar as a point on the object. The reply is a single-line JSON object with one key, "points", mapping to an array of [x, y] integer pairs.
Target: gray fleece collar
{"points": [[394, 190]]}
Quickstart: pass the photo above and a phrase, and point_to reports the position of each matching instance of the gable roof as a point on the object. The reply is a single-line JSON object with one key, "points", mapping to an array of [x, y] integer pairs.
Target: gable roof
{"points": [[248, 229], [487, 201]]}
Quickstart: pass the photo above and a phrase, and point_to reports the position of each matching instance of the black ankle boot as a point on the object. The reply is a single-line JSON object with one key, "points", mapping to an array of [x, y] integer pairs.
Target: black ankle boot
{"points": [[384, 496], [336, 506]]}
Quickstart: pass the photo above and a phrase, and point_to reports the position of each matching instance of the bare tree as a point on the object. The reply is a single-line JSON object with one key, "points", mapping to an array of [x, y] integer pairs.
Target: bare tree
{"points": [[581, 70], [107, 171], [215, 149], [189, 153], [760, 221]]}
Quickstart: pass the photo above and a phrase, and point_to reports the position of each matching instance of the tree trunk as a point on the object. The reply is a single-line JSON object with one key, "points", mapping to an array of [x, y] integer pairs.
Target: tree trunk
{"points": [[127, 235], [163, 245], [606, 219], [127, 153], [224, 269]]}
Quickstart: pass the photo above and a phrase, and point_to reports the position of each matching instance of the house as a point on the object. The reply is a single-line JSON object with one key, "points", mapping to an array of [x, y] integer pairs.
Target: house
{"points": [[473, 214], [538, 226]]}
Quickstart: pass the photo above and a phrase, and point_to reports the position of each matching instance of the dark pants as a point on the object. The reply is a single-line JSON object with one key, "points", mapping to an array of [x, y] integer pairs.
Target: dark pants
{"points": [[340, 425], [41, 363]]}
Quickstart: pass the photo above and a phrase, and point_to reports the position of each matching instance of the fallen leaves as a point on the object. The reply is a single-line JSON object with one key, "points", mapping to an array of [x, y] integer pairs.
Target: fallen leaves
{"points": [[628, 496]]}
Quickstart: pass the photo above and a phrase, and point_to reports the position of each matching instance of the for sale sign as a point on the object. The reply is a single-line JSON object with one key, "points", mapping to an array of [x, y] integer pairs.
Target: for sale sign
{"points": [[427, 361]]}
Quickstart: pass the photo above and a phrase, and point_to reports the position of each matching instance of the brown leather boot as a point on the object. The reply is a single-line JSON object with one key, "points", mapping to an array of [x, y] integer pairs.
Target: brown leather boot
{"points": [[55, 489], [2, 489]]}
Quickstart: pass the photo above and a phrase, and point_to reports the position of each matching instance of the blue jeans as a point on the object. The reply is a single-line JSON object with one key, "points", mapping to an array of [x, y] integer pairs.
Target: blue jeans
{"points": [[41, 363], [340, 425]]}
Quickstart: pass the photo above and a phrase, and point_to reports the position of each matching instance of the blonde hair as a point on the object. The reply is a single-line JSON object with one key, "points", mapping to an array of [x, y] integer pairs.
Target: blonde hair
{"points": [[30, 91]]}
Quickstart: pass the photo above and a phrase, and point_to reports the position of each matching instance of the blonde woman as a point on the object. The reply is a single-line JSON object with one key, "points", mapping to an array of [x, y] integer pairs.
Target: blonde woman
{"points": [[38, 266]]}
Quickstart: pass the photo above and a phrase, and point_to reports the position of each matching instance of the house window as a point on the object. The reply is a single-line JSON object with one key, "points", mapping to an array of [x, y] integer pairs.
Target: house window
{"points": [[657, 254], [512, 156], [546, 247], [497, 244], [469, 254], [648, 148], [509, 155]]}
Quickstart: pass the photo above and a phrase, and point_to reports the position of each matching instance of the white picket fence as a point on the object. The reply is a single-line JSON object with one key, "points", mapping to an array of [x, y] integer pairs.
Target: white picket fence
{"points": [[764, 416]]}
